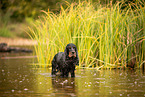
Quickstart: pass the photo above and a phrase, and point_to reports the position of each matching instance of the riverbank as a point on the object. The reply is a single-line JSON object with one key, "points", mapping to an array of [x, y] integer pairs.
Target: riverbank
{"points": [[17, 41]]}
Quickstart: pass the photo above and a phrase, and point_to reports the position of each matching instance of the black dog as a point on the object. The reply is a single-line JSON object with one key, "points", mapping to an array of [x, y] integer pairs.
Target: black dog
{"points": [[65, 61]]}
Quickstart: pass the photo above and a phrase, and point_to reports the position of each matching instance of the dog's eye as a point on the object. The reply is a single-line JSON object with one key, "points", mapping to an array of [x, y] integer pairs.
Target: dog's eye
{"points": [[69, 47], [73, 47]]}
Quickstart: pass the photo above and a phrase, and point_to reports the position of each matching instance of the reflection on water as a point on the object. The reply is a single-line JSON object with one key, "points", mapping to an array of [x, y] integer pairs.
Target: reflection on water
{"points": [[63, 86], [19, 78]]}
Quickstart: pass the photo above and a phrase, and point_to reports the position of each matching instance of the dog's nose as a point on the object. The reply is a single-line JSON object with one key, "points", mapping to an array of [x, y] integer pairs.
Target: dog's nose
{"points": [[73, 52]]}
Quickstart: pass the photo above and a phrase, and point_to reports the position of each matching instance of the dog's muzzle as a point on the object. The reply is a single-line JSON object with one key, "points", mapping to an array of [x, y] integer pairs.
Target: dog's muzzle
{"points": [[72, 54]]}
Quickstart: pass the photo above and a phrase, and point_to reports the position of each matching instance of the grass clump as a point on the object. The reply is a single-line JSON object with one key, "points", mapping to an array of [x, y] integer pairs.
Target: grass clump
{"points": [[107, 37]]}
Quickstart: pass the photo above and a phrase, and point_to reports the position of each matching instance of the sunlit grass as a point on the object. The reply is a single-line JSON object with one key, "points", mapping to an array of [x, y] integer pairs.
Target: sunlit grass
{"points": [[106, 37]]}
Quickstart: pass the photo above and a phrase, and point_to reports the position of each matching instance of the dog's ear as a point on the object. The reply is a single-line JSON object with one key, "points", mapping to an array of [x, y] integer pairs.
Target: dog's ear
{"points": [[65, 52], [77, 63]]}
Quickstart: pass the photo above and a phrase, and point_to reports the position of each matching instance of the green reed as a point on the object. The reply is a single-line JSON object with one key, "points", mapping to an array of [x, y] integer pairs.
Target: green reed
{"points": [[106, 37]]}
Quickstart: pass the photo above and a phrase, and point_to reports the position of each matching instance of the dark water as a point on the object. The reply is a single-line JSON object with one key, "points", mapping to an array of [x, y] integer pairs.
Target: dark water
{"points": [[20, 79]]}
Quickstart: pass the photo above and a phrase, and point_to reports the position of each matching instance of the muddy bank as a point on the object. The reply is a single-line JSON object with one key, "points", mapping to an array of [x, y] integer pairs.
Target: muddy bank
{"points": [[17, 41]]}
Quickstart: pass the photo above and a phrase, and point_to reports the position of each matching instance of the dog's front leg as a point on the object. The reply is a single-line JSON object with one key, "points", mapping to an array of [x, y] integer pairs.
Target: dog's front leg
{"points": [[72, 73]]}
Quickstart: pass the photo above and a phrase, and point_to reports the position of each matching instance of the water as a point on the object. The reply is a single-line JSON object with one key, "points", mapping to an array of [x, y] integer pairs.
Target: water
{"points": [[20, 79]]}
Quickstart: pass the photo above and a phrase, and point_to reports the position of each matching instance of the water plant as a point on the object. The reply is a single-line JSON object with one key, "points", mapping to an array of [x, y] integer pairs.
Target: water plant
{"points": [[106, 36]]}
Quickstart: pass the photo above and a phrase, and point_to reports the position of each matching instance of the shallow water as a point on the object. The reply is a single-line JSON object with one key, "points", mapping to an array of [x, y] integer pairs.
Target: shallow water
{"points": [[19, 78]]}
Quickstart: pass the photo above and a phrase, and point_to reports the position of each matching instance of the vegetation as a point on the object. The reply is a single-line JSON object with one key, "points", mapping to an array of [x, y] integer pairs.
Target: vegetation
{"points": [[14, 13], [11, 29], [106, 37]]}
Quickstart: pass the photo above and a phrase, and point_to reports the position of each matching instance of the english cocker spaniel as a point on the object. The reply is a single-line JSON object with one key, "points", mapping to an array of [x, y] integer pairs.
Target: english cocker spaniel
{"points": [[65, 61]]}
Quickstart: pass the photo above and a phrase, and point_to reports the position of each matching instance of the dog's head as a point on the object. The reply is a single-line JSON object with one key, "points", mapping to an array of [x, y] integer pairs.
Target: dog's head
{"points": [[71, 52]]}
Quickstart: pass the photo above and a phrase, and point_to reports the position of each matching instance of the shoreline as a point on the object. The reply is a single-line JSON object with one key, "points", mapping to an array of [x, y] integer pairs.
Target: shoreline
{"points": [[17, 41]]}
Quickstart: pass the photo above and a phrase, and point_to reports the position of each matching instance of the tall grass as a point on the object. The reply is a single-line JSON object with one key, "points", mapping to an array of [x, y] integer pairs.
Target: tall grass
{"points": [[106, 37]]}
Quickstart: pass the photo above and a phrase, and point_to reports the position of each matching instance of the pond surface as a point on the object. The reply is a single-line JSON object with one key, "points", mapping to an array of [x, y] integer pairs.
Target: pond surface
{"points": [[20, 79]]}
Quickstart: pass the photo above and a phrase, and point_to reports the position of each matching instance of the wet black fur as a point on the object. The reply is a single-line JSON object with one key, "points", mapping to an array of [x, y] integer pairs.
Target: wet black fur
{"points": [[65, 64]]}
